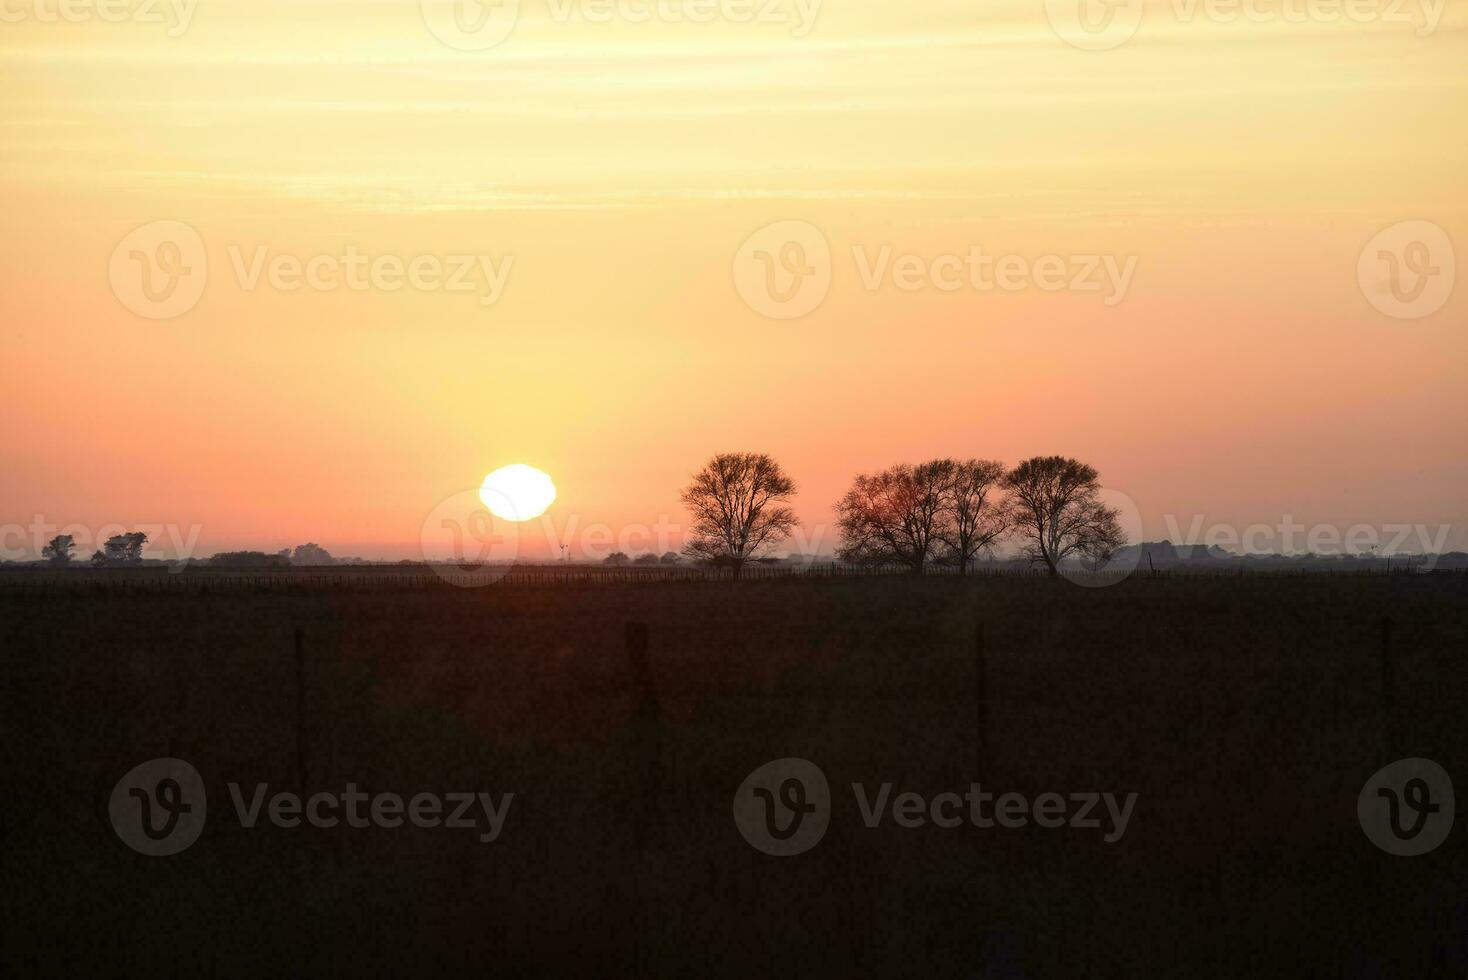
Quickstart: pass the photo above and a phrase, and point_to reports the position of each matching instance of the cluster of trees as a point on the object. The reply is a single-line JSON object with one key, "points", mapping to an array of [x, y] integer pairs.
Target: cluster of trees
{"points": [[127, 549], [120, 549], [622, 558], [304, 554], [944, 510]]}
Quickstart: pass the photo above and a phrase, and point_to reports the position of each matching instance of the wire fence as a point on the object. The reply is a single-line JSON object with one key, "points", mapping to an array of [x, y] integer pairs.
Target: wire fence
{"points": [[395, 578]]}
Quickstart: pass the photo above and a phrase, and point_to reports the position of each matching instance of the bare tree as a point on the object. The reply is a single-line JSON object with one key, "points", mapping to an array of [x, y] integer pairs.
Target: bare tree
{"points": [[894, 516], [1057, 506], [974, 511], [58, 550], [738, 503]]}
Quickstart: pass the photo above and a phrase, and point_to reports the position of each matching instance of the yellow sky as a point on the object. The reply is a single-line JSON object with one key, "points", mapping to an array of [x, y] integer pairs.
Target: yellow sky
{"points": [[612, 170]]}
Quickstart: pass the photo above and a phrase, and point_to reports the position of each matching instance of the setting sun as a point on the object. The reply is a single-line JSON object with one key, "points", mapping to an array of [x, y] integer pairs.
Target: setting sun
{"points": [[517, 492]]}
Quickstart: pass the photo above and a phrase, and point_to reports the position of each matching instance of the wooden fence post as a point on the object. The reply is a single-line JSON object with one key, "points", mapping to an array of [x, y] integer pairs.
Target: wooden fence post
{"points": [[645, 763], [301, 707], [1388, 686], [981, 699], [647, 735]]}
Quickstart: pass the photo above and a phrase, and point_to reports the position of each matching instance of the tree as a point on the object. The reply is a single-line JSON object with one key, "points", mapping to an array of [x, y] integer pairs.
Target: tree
{"points": [[125, 548], [894, 516], [311, 554], [98, 559], [974, 515], [1057, 506], [647, 559], [58, 550], [738, 503], [670, 558], [615, 558]]}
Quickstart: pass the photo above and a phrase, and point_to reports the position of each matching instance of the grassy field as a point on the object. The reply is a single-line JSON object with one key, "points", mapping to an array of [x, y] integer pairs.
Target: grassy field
{"points": [[1245, 712]]}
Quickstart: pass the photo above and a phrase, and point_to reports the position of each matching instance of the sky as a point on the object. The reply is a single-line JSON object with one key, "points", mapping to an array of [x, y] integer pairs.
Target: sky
{"points": [[848, 234]]}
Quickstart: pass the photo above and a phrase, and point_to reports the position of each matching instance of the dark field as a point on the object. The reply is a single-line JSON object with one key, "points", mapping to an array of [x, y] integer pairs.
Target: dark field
{"points": [[1246, 713]]}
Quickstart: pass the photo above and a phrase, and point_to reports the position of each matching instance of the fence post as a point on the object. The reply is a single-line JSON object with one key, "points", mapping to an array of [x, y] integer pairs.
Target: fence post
{"points": [[981, 698], [301, 707], [645, 765], [1388, 686], [646, 760]]}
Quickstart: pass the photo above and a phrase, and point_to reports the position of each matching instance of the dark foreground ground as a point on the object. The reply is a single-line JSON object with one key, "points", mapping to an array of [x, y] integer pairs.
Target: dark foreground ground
{"points": [[1245, 713]]}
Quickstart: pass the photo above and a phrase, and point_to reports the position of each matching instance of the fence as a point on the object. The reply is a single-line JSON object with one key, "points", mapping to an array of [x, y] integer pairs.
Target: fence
{"points": [[394, 578]]}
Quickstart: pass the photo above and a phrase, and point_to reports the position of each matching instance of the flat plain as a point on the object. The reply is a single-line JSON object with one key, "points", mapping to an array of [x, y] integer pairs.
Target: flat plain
{"points": [[1246, 713]]}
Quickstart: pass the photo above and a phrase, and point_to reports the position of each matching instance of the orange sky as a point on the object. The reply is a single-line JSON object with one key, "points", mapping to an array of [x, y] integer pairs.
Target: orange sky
{"points": [[612, 172]]}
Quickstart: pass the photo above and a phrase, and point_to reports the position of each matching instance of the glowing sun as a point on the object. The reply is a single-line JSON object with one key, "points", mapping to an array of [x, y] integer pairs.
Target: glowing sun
{"points": [[517, 493]]}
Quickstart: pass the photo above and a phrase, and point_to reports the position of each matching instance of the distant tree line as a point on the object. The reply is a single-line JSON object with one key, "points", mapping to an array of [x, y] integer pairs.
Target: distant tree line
{"points": [[127, 549], [120, 549], [944, 511]]}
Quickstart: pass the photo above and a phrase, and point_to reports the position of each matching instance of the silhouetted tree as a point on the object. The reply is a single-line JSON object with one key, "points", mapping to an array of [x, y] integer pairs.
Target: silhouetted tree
{"points": [[894, 516], [975, 514], [671, 558], [615, 558], [738, 503], [125, 548], [1057, 506], [58, 550], [98, 559], [311, 554], [648, 559]]}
